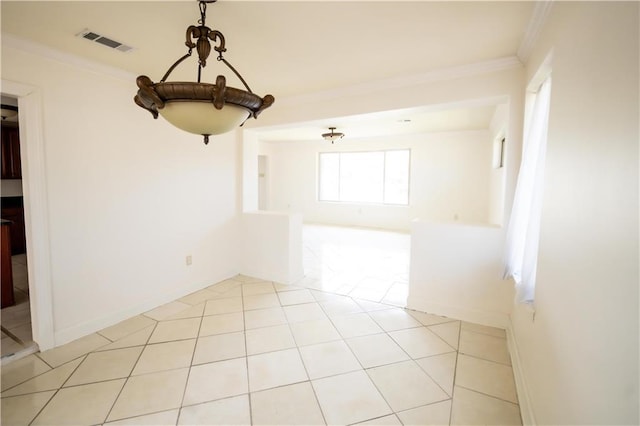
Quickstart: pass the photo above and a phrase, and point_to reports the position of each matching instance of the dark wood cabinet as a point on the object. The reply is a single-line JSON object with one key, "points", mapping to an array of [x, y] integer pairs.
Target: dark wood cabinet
{"points": [[12, 207], [6, 284], [13, 211], [11, 161]]}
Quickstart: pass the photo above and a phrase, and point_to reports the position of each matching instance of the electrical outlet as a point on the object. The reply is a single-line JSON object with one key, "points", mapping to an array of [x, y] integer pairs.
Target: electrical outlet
{"points": [[189, 260]]}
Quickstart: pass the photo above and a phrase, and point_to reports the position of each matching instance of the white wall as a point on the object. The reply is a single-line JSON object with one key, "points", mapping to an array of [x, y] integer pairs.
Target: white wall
{"points": [[449, 180], [272, 246], [263, 172], [497, 179], [580, 354], [129, 198], [503, 85], [249, 144], [497, 82], [456, 271]]}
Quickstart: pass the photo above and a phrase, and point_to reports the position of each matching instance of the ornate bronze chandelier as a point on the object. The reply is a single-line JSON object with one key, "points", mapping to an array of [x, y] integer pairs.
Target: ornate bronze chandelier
{"points": [[201, 108]]}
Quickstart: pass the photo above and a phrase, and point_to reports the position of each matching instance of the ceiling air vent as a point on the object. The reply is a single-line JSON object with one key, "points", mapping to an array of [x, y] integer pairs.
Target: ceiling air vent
{"points": [[105, 41]]}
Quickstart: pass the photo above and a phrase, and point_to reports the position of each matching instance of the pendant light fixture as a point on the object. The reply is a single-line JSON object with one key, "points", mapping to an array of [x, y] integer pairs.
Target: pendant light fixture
{"points": [[8, 112], [201, 108], [332, 136]]}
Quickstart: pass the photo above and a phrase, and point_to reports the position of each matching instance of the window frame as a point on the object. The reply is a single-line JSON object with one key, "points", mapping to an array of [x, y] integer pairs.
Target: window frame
{"points": [[384, 175]]}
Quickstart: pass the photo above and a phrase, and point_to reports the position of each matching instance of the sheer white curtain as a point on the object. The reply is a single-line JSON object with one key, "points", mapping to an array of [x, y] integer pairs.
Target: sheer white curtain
{"points": [[523, 232]]}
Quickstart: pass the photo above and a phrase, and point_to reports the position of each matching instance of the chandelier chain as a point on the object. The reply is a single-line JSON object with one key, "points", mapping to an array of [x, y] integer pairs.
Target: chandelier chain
{"points": [[203, 13], [220, 58]]}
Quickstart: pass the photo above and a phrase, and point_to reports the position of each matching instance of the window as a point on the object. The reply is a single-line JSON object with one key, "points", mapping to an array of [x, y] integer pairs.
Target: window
{"points": [[364, 177], [523, 233], [498, 153]]}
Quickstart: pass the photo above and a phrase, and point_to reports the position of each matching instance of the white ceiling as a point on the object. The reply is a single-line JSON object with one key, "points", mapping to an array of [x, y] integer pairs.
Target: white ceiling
{"points": [[388, 123], [290, 48]]}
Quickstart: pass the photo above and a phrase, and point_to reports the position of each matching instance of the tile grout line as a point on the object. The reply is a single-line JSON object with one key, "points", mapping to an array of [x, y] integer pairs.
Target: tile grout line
{"points": [[94, 351], [384, 331], [57, 390], [488, 395], [261, 353], [484, 333], [455, 373], [360, 363], [434, 381], [193, 354], [37, 354], [246, 353], [133, 367], [145, 345], [37, 375], [485, 359], [414, 361], [398, 362], [102, 335], [331, 320], [306, 371]]}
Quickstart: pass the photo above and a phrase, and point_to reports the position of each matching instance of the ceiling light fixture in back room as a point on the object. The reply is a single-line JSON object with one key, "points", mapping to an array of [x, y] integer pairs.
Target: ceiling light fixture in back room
{"points": [[8, 112], [333, 136], [201, 108]]}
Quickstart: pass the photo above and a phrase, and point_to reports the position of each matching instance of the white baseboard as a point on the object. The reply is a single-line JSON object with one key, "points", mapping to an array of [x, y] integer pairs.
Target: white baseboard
{"points": [[84, 329], [526, 410], [491, 319]]}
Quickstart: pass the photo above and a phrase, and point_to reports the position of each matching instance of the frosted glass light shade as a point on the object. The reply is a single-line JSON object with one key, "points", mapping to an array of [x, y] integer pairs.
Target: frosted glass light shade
{"points": [[8, 113], [200, 108], [332, 136], [202, 118]]}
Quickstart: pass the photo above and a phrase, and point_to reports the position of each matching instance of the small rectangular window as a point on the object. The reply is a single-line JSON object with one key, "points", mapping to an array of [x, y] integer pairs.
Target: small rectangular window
{"points": [[396, 177], [329, 177], [499, 153]]}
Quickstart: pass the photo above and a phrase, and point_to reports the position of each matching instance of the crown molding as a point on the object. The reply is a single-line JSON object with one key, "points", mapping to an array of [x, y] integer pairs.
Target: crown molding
{"points": [[442, 74], [63, 57], [366, 88], [540, 13]]}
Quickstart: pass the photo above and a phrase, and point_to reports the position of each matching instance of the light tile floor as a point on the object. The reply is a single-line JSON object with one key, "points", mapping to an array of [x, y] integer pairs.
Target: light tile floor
{"points": [[359, 262], [16, 320], [247, 351]]}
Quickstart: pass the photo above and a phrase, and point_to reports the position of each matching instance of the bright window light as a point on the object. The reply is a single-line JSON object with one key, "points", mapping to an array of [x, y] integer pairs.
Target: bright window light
{"points": [[329, 177], [380, 177], [396, 177]]}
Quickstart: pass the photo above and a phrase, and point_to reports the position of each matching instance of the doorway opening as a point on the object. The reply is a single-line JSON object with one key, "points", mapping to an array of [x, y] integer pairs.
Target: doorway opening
{"points": [[15, 315], [36, 215]]}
